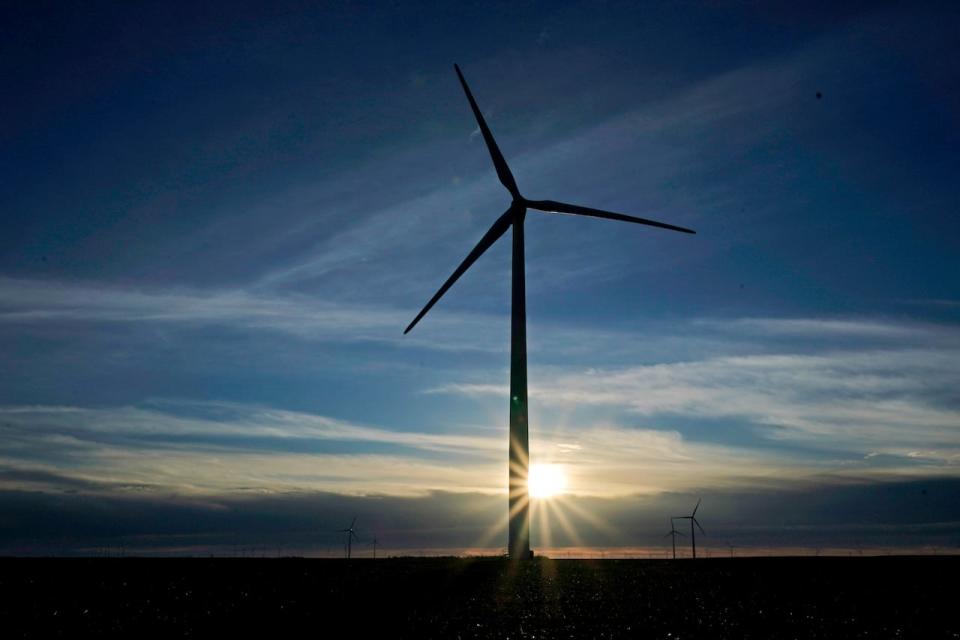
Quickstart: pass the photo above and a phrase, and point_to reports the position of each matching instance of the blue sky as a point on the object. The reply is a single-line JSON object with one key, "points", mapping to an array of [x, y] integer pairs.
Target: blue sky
{"points": [[218, 221]]}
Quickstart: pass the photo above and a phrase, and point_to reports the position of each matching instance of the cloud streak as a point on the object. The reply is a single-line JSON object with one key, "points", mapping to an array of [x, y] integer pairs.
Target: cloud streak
{"points": [[220, 447], [896, 401], [861, 389], [33, 304]]}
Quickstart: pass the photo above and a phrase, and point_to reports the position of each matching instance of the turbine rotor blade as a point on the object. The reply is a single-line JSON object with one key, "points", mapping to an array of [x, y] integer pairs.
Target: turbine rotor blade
{"points": [[696, 507], [492, 235], [503, 171], [353, 523], [551, 206], [699, 527]]}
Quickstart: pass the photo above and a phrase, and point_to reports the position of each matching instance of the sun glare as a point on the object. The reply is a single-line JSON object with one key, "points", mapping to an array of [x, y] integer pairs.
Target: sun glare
{"points": [[546, 480]]}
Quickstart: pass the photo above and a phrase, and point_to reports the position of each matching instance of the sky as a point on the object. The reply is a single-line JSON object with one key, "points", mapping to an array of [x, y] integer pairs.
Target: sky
{"points": [[217, 220]]}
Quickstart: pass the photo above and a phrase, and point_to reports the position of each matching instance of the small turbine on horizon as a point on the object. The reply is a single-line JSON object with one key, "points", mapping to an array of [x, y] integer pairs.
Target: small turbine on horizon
{"points": [[351, 534], [673, 533], [693, 521], [518, 507]]}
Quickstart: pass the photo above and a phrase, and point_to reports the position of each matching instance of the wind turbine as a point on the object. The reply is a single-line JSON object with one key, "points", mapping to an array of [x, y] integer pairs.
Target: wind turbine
{"points": [[374, 542], [518, 507], [351, 534], [673, 535], [693, 520]]}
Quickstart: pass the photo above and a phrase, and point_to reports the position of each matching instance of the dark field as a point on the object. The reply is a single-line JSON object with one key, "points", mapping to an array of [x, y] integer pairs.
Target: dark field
{"points": [[886, 597]]}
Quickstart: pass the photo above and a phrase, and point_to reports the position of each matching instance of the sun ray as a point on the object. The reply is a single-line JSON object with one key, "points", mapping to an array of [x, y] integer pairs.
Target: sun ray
{"points": [[541, 510], [492, 532], [594, 520], [556, 510], [517, 507]]}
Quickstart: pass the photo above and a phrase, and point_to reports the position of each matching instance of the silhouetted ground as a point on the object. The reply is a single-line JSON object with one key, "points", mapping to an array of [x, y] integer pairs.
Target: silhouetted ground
{"points": [[886, 597]]}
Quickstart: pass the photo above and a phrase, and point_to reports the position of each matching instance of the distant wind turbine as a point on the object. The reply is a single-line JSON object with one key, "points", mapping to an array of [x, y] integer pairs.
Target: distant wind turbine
{"points": [[374, 542], [673, 537], [351, 534], [693, 521], [518, 508]]}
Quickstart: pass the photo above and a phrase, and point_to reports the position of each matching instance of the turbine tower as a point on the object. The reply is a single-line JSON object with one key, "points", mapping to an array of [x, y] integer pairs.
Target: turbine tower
{"points": [[673, 537], [518, 507], [693, 521], [351, 534]]}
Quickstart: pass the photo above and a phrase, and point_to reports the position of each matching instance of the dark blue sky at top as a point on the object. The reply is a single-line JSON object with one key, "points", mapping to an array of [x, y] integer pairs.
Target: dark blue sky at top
{"points": [[128, 131], [245, 203]]}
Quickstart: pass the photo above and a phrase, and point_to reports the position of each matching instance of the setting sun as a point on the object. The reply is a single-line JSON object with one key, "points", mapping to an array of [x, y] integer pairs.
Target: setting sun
{"points": [[546, 480]]}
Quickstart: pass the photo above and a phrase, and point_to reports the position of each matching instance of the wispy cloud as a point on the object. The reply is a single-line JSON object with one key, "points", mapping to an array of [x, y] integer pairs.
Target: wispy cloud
{"points": [[38, 300], [870, 414], [858, 385], [221, 447], [33, 303], [850, 328], [898, 401], [211, 448], [229, 420]]}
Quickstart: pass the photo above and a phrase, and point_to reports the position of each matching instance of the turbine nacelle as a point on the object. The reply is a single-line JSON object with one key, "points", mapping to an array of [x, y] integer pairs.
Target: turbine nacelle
{"points": [[351, 534], [693, 521]]}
